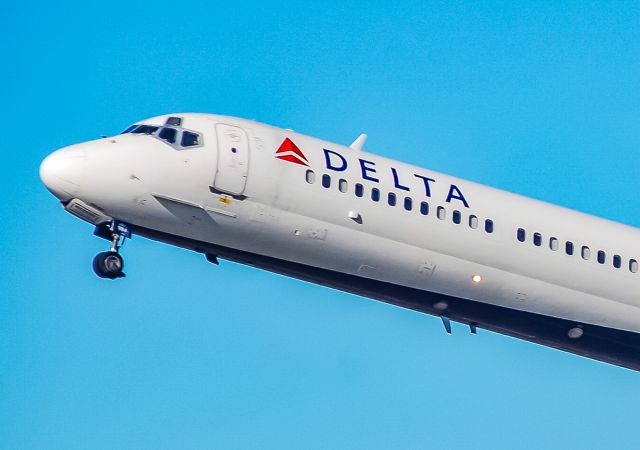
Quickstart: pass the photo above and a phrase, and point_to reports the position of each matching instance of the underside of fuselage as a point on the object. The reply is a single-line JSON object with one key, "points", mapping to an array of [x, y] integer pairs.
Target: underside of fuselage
{"points": [[610, 345]]}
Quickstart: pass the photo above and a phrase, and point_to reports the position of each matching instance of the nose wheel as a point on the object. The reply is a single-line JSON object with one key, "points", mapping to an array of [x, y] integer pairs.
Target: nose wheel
{"points": [[110, 264]]}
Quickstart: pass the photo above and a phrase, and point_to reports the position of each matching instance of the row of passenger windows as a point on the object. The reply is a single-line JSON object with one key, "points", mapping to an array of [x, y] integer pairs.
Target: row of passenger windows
{"points": [[392, 200], [570, 249]]}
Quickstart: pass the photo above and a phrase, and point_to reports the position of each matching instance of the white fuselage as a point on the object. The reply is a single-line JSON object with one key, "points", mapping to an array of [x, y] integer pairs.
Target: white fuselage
{"points": [[234, 190]]}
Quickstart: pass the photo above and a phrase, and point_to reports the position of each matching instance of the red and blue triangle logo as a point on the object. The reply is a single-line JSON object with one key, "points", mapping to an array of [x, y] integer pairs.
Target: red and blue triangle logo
{"points": [[288, 151]]}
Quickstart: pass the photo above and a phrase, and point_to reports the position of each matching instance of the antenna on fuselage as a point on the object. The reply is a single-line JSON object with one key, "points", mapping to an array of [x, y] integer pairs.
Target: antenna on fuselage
{"points": [[359, 142], [447, 324]]}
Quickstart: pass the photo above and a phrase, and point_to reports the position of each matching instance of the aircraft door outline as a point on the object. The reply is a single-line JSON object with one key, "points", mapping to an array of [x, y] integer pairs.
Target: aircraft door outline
{"points": [[233, 159]]}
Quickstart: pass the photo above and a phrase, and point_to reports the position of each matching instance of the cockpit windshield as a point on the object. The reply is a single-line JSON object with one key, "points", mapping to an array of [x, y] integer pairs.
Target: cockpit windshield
{"points": [[141, 129], [145, 129], [130, 129], [171, 133], [168, 134]]}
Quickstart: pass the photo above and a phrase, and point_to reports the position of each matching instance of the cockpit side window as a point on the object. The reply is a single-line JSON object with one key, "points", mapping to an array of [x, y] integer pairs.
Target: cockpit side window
{"points": [[168, 134], [190, 139]]}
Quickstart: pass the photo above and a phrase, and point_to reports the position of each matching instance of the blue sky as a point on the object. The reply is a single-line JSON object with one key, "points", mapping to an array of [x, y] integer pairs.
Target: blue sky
{"points": [[539, 98]]}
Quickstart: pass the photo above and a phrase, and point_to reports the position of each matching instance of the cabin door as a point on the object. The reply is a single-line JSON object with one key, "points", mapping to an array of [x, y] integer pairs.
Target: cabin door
{"points": [[233, 159]]}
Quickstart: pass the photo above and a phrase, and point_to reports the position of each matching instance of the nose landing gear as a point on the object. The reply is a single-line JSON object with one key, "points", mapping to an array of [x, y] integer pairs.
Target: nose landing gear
{"points": [[110, 264]]}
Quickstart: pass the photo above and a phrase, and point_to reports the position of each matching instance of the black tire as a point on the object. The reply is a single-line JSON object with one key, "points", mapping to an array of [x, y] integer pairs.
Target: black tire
{"points": [[108, 265]]}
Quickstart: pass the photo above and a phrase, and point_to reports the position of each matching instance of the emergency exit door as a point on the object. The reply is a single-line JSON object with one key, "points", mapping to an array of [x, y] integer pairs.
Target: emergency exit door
{"points": [[233, 159]]}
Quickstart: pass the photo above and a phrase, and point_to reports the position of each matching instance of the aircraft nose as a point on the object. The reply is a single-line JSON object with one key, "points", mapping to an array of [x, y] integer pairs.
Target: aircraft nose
{"points": [[62, 172]]}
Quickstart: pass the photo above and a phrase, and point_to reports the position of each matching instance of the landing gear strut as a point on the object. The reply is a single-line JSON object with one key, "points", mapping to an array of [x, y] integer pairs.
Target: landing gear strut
{"points": [[110, 264]]}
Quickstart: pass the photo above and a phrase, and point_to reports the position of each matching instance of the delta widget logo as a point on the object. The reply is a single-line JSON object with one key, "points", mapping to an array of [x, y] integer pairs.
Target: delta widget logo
{"points": [[288, 151]]}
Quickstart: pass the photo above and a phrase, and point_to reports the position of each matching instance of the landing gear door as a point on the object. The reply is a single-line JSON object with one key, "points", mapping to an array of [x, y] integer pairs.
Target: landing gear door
{"points": [[233, 159]]}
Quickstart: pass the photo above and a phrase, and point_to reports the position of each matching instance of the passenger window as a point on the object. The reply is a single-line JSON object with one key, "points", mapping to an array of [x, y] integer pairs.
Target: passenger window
{"points": [[586, 252], [568, 248], [342, 185], [441, 213], [457, 217], [326, 181], [359, 190], [310, 176], [473, 222], [553, 244], [408, 203], [488, 226], [617, 261], [601, 257], [424, 208], [168, 134], [633, 266], [522, 235], [375, 195], [537, 239], [391, 199]]}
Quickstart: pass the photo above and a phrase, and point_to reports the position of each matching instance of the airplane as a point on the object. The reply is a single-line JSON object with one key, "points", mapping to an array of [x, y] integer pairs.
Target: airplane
{"points": [[347, 219]]}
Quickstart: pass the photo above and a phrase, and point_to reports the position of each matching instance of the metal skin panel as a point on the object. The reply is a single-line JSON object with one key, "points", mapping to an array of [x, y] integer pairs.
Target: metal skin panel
{"points": [[283, 223]]}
